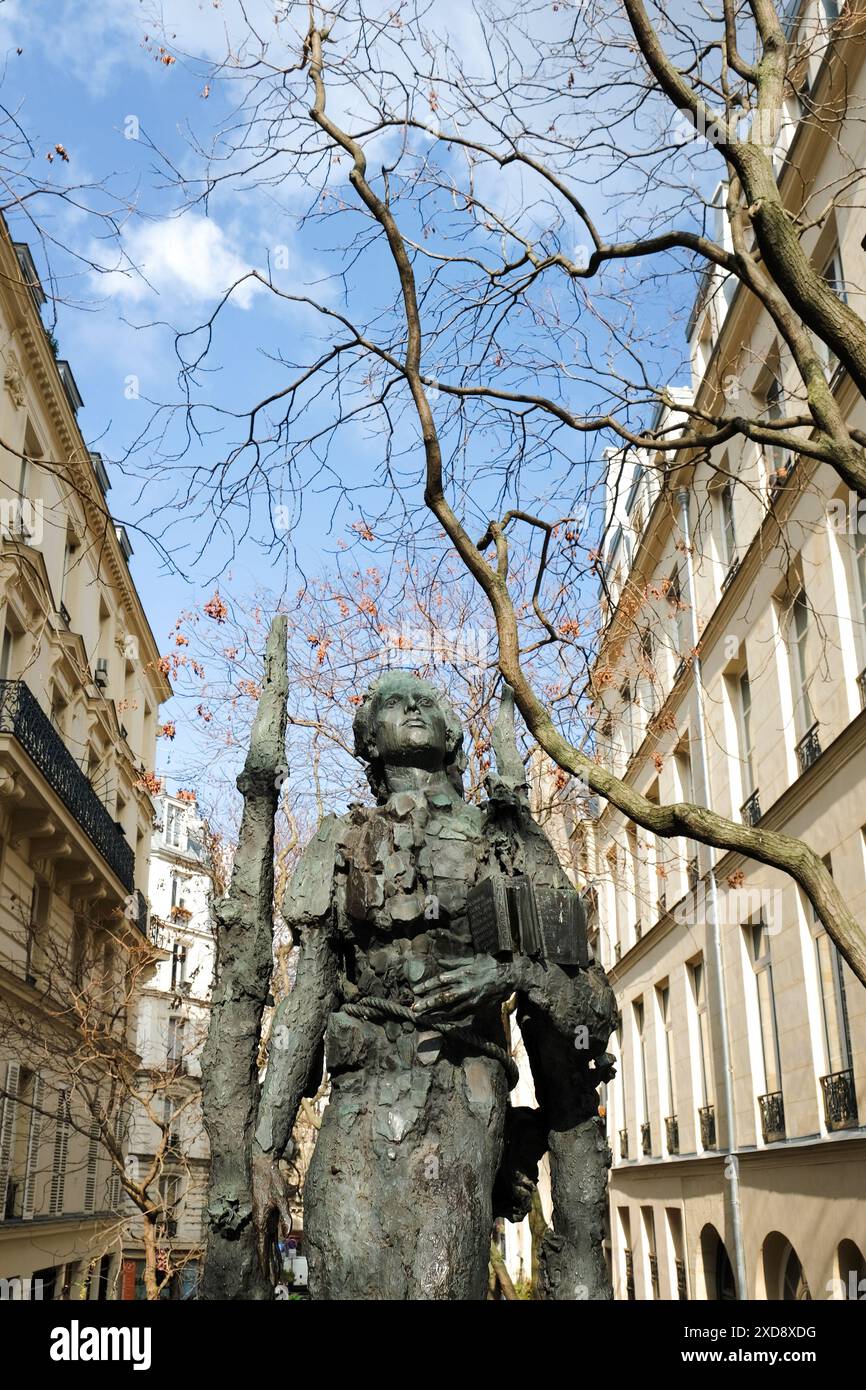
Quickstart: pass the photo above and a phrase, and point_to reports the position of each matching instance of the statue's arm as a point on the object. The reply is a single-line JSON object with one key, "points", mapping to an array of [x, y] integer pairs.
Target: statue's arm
{"points": [[295, 1056], [296, 1052], [300, 1021]]}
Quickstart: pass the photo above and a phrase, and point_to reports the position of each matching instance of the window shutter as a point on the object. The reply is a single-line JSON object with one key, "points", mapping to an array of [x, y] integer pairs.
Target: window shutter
{"points": [[33, 1149], [92, 1157], [8, 1112], [58, 1165], [114, 1189]]}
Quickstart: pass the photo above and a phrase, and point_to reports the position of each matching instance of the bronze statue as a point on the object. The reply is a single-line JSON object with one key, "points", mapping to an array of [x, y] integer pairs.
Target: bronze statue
{"points": [[418, 917]]}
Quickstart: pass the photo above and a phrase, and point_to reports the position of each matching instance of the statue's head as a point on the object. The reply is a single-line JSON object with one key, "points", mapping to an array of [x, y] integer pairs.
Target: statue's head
{"points": [[405, 721]]}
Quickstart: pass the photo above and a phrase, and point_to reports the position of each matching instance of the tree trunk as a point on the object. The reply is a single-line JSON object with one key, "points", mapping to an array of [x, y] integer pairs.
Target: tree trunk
{"points": [[151, 1286], [229, 1060]]}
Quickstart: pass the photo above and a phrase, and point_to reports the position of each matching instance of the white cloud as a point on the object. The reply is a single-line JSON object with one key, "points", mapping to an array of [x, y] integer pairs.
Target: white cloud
{"points": [[188, 259]]}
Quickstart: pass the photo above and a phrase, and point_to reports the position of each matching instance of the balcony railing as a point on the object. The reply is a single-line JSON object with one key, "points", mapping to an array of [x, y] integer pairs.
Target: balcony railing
{"points": [[654, 1275], [22, 716], [772, 1109], [672, 1134], [682, 1285], [808, 749], [646, 1141], [861, 686], [623, 1145], [159, 935], [840, 1100], [707, 1117], [750, 811]]}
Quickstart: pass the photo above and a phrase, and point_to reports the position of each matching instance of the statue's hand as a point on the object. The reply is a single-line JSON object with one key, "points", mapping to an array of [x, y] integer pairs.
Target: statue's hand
{"points": [[481, 980], [270, 1207]]}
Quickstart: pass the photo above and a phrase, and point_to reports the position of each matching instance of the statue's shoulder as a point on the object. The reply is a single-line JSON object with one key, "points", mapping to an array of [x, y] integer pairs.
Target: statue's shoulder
{"points": [[309, 893]]}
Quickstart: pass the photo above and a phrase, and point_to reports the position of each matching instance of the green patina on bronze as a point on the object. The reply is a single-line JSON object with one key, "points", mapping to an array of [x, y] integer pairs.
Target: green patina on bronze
{"points": [[419, 1148]]}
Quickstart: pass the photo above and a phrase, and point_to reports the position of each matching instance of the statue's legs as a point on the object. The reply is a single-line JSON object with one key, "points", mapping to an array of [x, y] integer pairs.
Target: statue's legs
{"points": [[397, 1202], [573, 1264]]}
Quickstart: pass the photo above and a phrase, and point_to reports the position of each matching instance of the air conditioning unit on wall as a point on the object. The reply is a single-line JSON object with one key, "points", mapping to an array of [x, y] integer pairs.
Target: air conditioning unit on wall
{"points": [[101, 676]]}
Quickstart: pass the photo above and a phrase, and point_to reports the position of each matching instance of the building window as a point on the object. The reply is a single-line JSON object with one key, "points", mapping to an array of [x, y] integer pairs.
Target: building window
{"points": [[627, 721], [668, 1087], [677, 611], [728, 529], [801, 673], [649, 1225], [832, 273], [779, 457], [176, 1030], [174, 826], [643, 1118], [858, 606], [178, 965], [758, 941], [169, 1199], [740, 695], [37, 927], [698, 980], [840, 1100], [6, 654]]}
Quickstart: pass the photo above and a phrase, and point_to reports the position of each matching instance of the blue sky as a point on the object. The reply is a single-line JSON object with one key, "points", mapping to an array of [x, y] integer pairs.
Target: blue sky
{"points": [[92, 79]]}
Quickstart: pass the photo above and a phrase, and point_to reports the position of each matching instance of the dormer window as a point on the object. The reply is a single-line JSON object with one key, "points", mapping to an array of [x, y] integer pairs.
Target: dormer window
{"points": [[175, 826]]}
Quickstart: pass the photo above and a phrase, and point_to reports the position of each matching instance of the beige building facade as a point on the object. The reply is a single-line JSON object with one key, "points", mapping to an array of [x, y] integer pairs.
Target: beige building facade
{"points": [[734, 675], [80, 690]]}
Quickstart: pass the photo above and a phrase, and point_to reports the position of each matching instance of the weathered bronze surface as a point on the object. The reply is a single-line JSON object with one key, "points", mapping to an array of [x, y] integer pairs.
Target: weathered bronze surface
{"points": [[418, 917]]}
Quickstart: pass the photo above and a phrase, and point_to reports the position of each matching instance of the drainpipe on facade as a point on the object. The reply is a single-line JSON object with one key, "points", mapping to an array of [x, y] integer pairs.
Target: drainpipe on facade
{"points": [[732, 1162]]}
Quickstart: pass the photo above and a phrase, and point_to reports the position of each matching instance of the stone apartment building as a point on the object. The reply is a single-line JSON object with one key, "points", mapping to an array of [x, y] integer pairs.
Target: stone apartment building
{"points": [[737, 1117], [80, 692], [167, 1135]]}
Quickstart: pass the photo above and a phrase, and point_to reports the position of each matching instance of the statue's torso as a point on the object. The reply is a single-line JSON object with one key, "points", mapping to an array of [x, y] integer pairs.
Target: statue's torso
{"points": [[415, 1120]]}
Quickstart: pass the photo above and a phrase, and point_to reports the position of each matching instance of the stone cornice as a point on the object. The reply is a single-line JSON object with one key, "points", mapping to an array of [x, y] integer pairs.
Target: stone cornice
{"points": [[42, 367]]}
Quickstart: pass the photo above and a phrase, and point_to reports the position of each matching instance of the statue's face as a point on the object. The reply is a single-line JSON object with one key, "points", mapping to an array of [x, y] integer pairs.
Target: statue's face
{"points": [[409, 726]]}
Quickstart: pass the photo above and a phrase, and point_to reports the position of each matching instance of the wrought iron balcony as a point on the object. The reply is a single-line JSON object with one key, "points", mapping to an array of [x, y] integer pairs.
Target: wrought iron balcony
{"points": [[646, 1141], [629, 1276], [623, 1145], [772, 1109], [861, 686], [22, 716], [750, 811], [808, 749], [654, 1275], [672, 1134], [682, 1285], [707, 1116], [840, 1100]]}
